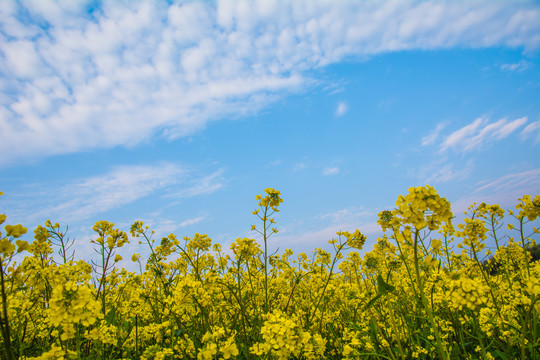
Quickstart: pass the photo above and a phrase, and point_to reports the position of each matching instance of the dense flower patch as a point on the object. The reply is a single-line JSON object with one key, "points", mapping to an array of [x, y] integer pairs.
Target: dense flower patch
{"points": [[425, 291]]}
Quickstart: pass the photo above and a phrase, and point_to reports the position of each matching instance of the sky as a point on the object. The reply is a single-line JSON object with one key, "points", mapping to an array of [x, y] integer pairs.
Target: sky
{"points": [[179, 113]]}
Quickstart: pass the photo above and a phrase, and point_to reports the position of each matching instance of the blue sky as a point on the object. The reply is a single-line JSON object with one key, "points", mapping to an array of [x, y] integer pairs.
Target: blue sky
{"points": [[179, 113]]}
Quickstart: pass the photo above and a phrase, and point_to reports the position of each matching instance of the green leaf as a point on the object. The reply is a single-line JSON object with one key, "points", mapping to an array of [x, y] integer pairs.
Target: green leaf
{"points": [[372, 301], [501, 355], [384, 288]]}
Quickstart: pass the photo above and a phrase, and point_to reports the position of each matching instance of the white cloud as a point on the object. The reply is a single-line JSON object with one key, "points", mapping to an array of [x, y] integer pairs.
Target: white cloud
{"points": [[128, 71], [330, 170], [87, 197], [503, 191], [299, 166], [316, 231], [480, 132], [341, 108], [530, 129], [434, 134], [123, 185], [518, 67], [164, 227], [442, 170], [200, 186], [513, 181], [347, 215], [192, 221]]}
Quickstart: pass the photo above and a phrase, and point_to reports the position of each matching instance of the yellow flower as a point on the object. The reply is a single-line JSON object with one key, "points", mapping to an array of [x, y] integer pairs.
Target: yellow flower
{"points": [[22, 245], [15, 230], [347, 350], [110, 242], [117, 258], [229, 350], [6, 247]]}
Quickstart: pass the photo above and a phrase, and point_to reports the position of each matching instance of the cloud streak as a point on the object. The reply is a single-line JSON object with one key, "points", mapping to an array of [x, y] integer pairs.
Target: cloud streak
{"points": [[433, 135], [84, 198], [444, 170], [78, 77], [530, 130], [518, 67], [325, 226], [503, 191], [331, 171], [479, 133], [341, 108]]}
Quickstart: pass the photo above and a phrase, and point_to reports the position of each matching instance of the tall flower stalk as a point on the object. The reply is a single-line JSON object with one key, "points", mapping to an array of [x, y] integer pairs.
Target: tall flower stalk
{"points": [[268, 206], [109, 240]]}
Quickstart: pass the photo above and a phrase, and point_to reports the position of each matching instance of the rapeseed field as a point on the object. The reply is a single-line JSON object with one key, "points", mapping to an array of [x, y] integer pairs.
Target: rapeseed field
{"points": [[429, 289]]}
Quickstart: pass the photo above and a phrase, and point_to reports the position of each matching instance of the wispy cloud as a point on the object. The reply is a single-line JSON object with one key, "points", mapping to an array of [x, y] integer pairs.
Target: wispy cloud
{"points": [[434, 134], [84, 198], [275, 163], [513, 181], [479, 133], [299, 166], [193, 221], [341, 108], [503, 191], [163, 227], [518, 67], [317, 231], [199, 186], [123, 185], [75, 79], [330, 170], [530, 130], [443, 170]]}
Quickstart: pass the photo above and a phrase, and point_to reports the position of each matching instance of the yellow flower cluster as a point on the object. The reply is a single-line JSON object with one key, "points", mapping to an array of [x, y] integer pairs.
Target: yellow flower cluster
{"points": [[272, 199], [529, 207], [155, 352], [71, 304], [474, 232], [356, 343], [412, 296], [55, 353], [113, 237], [468, 293], [422, 207], [284, 339], [356, 240], [105, 334], [487, 211], [217, 342], [245, 248], [15, 230]]}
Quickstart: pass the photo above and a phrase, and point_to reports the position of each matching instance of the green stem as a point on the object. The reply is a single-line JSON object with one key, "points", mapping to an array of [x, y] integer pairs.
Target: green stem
{"points": [[486, 279], [326, 284], [442, 352], [5, 322], [406, 263], [524, 247], [265, 237]]}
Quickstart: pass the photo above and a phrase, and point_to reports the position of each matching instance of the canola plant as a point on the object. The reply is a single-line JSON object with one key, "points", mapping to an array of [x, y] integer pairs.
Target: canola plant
{"points": [[425, 291]]}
